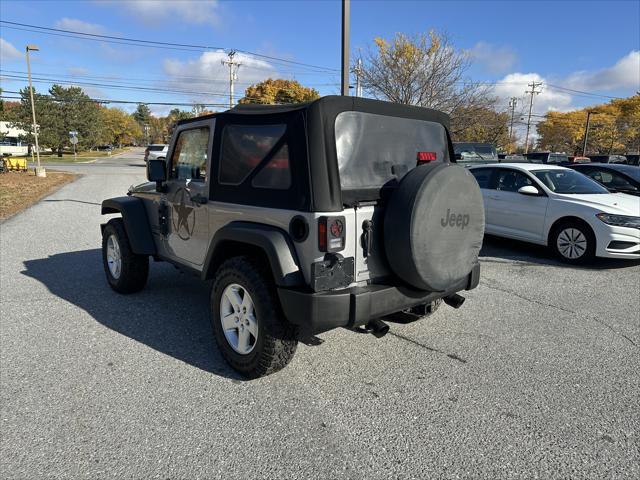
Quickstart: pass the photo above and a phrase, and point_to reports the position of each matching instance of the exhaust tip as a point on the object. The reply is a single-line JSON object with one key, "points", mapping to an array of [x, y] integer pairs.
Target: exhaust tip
{"points": [[454, 300], [378, 328]]}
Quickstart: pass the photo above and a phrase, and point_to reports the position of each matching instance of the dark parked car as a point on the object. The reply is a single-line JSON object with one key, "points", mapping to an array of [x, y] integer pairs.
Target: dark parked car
{"points": [[633, 159], [615, 177], [547, 157]]}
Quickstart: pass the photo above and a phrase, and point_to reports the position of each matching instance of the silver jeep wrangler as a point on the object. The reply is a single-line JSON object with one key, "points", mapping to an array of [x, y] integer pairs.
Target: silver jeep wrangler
{"points": [[341, 212]]}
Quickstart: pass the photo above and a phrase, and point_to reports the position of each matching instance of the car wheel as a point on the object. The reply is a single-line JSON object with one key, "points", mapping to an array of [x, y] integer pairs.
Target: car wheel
{"points": [[126, 272], [573, 242], [249, 328]]}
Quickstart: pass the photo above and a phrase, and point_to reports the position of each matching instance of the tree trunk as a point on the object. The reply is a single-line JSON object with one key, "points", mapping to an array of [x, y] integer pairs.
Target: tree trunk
{"points": [[59, 151]]}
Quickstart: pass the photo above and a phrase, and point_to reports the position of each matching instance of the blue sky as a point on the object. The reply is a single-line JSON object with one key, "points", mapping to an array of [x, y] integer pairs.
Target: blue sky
{"points": [[590, 46]]}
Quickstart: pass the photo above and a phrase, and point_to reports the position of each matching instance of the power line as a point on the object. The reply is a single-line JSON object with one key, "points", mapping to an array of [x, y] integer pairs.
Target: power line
{"points": [[154, 43]]}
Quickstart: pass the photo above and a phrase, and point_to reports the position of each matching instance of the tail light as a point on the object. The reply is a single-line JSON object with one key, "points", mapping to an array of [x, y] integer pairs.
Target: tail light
{"points": [[426, 157], [331, 234]]}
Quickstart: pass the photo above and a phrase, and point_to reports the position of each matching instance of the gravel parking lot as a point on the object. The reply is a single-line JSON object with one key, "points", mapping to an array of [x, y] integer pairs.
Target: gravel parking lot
{"points": [[537, 375]]}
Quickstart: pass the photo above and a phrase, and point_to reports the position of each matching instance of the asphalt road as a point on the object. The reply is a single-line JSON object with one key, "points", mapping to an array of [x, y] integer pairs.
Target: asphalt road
{"points": [[537, 375]]}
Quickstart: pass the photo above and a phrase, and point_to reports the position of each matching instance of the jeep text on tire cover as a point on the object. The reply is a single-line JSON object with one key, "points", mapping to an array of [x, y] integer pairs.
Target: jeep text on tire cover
{"points": [[335, 213]]}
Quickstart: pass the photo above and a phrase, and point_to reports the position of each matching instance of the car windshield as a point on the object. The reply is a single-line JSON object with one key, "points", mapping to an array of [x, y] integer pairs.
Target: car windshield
{"points": [[568, 181]]}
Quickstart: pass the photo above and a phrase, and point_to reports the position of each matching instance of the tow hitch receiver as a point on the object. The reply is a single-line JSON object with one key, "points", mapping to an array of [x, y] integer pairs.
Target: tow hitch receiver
{"points": [[454, 300]]}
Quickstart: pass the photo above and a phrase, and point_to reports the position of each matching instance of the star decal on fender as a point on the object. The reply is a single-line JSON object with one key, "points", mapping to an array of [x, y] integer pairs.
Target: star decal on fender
{"points": [[184, 216]]}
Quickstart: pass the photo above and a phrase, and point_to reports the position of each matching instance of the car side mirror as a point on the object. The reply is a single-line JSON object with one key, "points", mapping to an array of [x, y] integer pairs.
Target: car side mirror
{"points": [[529, 190], [458, 156], [157, 172]]}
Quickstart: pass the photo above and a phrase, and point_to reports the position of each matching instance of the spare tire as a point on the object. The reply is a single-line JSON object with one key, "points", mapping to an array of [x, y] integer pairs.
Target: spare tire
{"points": [[434, 225]]}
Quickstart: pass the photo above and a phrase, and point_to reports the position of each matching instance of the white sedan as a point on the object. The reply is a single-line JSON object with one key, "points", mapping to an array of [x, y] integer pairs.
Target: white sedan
{"points": [[561, 208]]}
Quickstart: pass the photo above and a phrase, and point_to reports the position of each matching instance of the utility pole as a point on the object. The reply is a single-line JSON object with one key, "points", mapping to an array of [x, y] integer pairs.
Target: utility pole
{"points": [[586, 132], [40, 172], [344, 90], [533, 92], [513, 101], [358, 71], [233, 69]]}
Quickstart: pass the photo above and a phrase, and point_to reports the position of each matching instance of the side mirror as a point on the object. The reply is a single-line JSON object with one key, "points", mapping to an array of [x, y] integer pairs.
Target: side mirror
{"points": [[157, 172], [529, 190], [458, 156]]}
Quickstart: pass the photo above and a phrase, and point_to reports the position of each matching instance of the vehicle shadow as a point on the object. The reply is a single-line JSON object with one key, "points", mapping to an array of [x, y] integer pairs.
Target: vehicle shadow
{"points": [[171, 315], [531, 254]]}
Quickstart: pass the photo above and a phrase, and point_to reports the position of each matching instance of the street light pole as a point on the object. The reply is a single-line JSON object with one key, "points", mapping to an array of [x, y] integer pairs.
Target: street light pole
{"points": [[40, 172], [344, 83], [586, 133]]}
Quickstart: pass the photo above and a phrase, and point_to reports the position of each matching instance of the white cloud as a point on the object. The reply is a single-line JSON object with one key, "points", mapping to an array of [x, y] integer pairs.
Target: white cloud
{"points": [[493, 58], [623, 76], [8, 51], [191, 11], [625, 73], [207, 74], [80, 26]]}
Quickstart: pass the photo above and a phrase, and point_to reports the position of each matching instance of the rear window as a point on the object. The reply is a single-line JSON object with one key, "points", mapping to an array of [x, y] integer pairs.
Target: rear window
{"points": [[557, 158], [376, 149], [155, 148]]}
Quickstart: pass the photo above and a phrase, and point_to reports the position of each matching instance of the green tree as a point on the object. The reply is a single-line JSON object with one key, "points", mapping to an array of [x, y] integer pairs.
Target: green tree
{"points": [[142, 114], [65, 109], [279, 91]]}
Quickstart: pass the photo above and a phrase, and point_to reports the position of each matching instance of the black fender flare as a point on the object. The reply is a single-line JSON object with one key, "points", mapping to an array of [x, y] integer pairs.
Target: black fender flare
{"points": [[273, 241], [136, 222]]}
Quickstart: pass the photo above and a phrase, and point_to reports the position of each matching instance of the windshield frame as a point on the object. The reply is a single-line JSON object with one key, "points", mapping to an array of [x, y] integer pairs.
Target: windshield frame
{"points": [[597, 188]]}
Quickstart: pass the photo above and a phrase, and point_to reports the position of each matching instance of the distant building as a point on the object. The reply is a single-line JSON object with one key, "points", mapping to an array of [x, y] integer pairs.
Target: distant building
{"points": [[10, 140]]}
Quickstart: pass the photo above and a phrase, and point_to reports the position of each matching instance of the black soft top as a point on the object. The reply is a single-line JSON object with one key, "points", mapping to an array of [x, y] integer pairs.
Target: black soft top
{"points": [[318, 122]]}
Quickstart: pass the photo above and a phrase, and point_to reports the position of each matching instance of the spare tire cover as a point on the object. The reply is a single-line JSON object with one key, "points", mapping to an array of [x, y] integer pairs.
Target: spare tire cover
{"points": [[434, 225]]}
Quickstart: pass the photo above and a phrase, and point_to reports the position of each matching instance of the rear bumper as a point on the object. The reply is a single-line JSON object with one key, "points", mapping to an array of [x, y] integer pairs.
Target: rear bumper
{"points": [[351, 307]]}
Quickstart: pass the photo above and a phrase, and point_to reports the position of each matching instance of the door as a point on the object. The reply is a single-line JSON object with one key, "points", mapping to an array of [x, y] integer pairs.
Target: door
{"points": [[187, 195], [514, 214]]}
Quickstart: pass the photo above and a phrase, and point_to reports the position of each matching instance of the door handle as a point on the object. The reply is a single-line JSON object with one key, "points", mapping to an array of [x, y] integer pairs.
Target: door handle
{"points": [[199, 198]]}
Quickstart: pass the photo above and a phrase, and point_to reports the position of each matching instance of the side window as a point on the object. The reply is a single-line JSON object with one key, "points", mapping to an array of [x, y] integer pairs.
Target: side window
{"points": [[189, 159], [512, 181], [612, 180], [483, 176], [244, 147]]}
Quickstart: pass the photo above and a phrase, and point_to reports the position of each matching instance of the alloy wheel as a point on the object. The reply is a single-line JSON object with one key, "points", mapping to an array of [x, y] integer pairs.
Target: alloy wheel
{"points": [[571, 243], [114, 257], [238, 318]]}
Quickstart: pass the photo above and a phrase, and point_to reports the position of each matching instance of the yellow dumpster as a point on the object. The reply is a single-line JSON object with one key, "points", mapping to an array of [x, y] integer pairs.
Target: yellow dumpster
{"points": [[16, 163]]}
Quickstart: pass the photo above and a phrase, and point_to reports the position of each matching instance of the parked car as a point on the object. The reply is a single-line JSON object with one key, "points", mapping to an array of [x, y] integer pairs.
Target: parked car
{"points": [[615, 177], [156, 152], [576, 159], [104, 148], [511, 158], [471, 153], [307, 218], [547, 157], [551, 205], [608, 158]]}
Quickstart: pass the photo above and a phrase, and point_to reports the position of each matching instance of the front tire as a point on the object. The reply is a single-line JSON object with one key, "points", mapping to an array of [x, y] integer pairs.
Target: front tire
{"points": [[573, 242], [126, 271], [248, 325]]}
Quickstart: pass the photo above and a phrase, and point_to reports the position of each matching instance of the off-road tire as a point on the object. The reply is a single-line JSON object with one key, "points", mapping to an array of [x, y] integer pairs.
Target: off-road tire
{"points": [[135, 268], [587, 233], [276, 341]]}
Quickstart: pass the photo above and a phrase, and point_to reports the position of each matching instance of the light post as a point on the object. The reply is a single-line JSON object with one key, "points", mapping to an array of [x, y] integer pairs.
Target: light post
{"points": [[40, 172], [586, 132]]}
